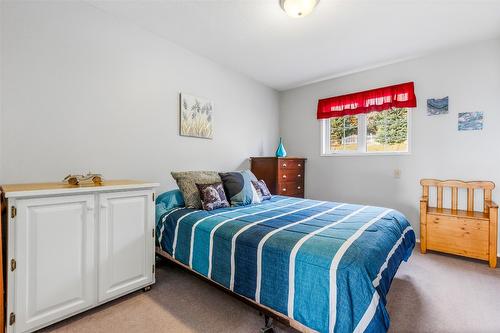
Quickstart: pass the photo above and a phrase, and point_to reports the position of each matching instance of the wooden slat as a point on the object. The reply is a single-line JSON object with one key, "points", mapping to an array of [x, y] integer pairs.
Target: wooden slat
{"points": [[487, 198], [487, 195], [454, 198], [458, 183], [425, 191], [439, 197], [470, 199]]}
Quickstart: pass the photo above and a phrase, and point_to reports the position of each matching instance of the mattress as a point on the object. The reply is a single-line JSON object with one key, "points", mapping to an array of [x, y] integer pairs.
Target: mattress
{"points": [[327, 265]]}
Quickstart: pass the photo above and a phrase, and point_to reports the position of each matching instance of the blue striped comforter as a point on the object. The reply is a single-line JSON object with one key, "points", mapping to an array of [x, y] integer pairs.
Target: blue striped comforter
{"points": [[324, 264]]}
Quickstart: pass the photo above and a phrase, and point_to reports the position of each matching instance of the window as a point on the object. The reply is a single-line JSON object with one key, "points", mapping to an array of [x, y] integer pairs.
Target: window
{"points": [[373, 121], [384, 132]]}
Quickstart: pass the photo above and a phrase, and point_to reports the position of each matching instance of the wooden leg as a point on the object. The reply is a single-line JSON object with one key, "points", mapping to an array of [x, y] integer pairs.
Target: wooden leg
{"points": [[423, 226], [493, 237], [493, 261], [423, 243]]}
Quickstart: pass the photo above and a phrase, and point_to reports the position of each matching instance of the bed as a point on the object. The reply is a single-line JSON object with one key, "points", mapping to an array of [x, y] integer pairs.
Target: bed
{"points": [[326, 266]]}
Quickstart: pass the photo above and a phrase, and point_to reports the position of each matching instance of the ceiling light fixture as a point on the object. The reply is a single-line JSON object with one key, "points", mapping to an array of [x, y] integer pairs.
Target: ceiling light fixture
{"points": [[298, 8]]}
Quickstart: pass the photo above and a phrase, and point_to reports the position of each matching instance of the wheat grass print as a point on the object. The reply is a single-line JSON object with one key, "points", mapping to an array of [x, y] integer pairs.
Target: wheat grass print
{"points": [[196, 117]]}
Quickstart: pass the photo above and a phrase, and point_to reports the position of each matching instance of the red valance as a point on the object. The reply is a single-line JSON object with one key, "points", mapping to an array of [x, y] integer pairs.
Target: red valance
{"points": [[380, 99]]}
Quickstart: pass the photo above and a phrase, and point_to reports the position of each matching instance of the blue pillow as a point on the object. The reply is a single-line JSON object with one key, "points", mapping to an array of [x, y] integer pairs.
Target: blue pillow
{"points": [[167, 201], [239, 188]]}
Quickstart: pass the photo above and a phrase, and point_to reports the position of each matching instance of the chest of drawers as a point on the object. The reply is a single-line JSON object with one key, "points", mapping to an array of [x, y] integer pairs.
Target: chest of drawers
{"points": [[283, 175]]}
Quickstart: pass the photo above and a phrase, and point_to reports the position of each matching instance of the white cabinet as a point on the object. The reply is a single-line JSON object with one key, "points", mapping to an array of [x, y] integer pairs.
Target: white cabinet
{"points": [[54, 246], [126, 239], [71, 249]]}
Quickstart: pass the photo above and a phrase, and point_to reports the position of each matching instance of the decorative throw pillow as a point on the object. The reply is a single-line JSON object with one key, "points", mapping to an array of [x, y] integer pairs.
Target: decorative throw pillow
{"points": [[187, 181], [255, 194], [262, 189], [239, 188], [212, 196]]}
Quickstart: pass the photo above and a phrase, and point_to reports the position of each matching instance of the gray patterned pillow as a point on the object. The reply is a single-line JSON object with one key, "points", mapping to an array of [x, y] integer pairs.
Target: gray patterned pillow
{"points": [[212, 196], [262, 189], [187, 180]]}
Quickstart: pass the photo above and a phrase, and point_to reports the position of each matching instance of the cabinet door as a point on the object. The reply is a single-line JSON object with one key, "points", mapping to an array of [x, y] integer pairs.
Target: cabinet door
{"points": [[54, 251], [126, 243]]}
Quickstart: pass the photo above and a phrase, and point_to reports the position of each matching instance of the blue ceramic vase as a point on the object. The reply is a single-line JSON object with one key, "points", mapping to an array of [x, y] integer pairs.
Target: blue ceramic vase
{"points": [[281, 152]]}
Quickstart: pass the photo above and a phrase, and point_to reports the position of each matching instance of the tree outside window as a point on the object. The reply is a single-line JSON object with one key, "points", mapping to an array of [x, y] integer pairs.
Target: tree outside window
{"points": [[344, 133], [387, 130], [375, 132]]}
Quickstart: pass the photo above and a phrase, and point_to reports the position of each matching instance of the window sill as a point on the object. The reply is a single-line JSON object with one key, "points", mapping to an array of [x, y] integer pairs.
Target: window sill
{"points": [[347, 154]]}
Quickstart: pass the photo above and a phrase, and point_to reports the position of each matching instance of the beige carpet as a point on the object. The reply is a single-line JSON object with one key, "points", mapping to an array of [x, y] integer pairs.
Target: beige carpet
{"points": [[431, 293]]}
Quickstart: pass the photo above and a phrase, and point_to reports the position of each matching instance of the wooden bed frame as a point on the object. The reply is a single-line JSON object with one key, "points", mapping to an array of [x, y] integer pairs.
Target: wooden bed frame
{"points": [[266, 311], [467, 233]]}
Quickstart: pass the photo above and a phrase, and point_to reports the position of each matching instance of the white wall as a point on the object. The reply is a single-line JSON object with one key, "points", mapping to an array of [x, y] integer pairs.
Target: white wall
{"points": [[83, 90], [469, 75]]}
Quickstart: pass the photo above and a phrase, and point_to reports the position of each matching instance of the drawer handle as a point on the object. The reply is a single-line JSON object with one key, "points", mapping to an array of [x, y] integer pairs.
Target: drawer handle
{"points": [[284, 190], [299, 165], [299, 175], [298, 187], [284, 176], [284, 165]]}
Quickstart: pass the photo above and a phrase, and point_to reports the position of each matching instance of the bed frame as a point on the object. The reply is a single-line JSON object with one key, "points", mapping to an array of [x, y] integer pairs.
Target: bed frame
{"points": [[268, 313]]}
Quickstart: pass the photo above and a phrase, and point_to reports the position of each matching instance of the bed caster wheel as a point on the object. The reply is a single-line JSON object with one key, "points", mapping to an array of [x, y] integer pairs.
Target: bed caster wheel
{"points": [[148, 288], [268, 322]]}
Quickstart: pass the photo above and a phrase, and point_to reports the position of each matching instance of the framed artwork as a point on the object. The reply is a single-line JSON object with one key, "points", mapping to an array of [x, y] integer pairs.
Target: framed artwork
{"points": [[196, 116], [470, 121], [437, 106]]}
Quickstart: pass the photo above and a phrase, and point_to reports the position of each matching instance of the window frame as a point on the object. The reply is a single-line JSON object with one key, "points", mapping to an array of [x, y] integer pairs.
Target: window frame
{"points": [[325, 139]]}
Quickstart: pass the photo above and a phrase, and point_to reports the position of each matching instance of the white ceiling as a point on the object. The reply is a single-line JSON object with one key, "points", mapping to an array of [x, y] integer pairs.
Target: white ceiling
{"points": [[257, 38]]}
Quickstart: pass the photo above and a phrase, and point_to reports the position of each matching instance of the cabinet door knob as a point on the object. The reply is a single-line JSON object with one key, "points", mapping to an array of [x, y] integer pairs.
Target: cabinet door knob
{"points": [[284, 176], [299, 175], [298, 187], [284, 190], [300, 165], [284, 165]]}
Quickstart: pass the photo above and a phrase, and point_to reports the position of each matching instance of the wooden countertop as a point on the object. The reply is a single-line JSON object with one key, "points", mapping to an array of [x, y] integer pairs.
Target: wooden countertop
{"points": [[21, 190]]}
